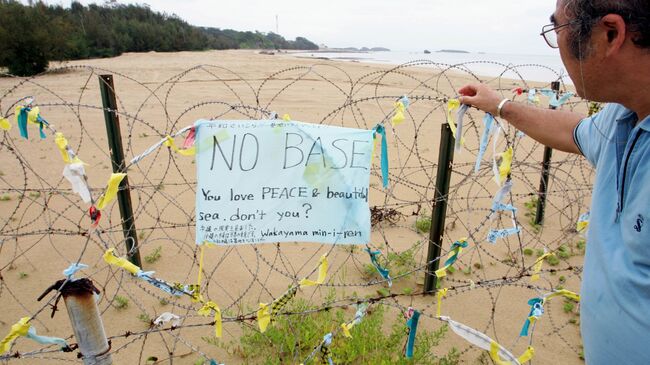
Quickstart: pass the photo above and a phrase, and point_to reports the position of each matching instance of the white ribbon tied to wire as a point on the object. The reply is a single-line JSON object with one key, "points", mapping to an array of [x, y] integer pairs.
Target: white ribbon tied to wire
{"points": [[483, 341], [460, 116], [167, 317], [74, 173]]}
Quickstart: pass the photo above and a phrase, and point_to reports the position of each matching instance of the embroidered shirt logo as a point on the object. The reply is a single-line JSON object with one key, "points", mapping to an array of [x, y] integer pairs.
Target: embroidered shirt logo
{"points": [[639, 223]]}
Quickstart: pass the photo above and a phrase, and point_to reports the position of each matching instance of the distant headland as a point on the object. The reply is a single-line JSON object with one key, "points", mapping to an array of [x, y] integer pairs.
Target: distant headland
{"points": [[324, 48], [452, 51]]}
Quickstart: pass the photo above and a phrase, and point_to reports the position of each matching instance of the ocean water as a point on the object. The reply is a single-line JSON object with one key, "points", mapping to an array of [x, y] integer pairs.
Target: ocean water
{"points": [[544, 68]]}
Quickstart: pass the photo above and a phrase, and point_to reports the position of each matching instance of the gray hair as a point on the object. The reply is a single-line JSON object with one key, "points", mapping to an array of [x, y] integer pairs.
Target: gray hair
{"points": [[586, 13]]}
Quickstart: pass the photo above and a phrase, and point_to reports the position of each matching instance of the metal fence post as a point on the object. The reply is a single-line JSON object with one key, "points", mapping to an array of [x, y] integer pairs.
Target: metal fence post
{"points": [[79, 298], [439, 209], [117, 158], [546, 169]]}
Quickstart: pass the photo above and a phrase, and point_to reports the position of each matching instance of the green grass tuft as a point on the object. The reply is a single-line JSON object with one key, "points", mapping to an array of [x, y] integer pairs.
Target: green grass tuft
{"points": [[120, 302], [154, 255]]}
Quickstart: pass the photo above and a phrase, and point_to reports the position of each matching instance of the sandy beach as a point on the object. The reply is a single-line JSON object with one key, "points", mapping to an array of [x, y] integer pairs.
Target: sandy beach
{"points": [[45, 227]]}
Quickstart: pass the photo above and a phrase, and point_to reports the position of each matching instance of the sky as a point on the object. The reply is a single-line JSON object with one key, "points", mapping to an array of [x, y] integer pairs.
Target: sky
{"points": [[492, 26]]}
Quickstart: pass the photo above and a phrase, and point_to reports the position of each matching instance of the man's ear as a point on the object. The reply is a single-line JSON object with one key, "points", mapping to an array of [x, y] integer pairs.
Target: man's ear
{"points": [[616, 32]]}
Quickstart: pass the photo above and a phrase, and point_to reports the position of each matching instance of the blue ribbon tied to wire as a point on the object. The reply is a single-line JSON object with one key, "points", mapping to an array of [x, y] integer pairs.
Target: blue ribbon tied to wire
{"points": [[452, 256], [73, 269], [384, 272], [379, 129], [162, 285], [532, 96], [21, 120], [488, 120], [553, 99], [325, 352], [497, 204], [536, 311], [412, 324], [495, 234], [31, 115], [456, 248]]}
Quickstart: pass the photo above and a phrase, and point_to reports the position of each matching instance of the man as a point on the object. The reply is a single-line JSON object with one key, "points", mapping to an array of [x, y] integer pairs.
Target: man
{"points": [[605, 47]]}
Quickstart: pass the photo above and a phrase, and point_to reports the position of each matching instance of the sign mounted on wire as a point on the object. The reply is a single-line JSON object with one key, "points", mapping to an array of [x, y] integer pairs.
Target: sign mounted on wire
{"points": [[281, 181]]}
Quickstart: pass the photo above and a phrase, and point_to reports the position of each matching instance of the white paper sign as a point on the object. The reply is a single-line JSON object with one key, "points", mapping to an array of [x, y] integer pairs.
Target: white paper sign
{"points": [[275, 181]]}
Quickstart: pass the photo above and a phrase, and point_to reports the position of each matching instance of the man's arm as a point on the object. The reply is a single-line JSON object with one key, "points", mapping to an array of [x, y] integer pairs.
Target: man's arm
{"points": [[553, 128]]}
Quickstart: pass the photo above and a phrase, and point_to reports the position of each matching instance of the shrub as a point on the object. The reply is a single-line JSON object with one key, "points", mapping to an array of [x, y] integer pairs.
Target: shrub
{"points": [[423, 223], [564, 252], [290, 339], [552, 260]]}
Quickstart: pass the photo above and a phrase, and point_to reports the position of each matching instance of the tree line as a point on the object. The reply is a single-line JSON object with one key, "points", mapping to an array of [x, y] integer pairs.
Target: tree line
{"points": [[31, 36]]}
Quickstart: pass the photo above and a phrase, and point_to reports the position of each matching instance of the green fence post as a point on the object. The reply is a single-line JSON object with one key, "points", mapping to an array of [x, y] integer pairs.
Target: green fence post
{"points": [[117, 158], [546, 169], [439, 209]]}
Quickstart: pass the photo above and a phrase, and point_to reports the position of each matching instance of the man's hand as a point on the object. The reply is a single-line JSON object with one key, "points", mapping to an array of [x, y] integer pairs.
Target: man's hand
{"points": [[480, 96], [553, 128]]}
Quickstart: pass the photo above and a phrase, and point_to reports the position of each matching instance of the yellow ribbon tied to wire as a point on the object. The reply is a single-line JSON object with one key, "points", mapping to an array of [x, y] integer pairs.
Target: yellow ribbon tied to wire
{"points": [[264, 312], [263, 317], [169, 142], [537, 267], [452, 105], [583, 223], [19, 329], [4, 124], [206, 310], [505, 165], [111, 190], [346, 327], [322, 273], [494, 355], [275, 307], [62, 144], [197, 297], [440, 294], [581, 226], [398, 118], [111, 259], [32, 115], [452, 256], [565, 293]]}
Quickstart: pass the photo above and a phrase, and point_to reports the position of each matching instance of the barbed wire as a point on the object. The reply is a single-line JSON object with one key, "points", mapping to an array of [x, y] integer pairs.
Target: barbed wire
{"points": [[45, 227]]}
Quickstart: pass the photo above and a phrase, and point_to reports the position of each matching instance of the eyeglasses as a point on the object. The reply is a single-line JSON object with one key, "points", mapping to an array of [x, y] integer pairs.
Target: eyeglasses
{"points": [[549, 32]]}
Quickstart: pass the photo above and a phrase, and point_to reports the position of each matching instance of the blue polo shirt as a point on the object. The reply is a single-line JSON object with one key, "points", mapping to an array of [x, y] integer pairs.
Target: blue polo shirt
{"points": [[615, 292]]}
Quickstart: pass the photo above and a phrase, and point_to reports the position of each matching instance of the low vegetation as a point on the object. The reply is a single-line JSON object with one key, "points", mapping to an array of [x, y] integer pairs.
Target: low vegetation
{"points": [[290, 339]]}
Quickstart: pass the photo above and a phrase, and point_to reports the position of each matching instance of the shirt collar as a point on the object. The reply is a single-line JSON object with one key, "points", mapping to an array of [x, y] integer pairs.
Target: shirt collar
{"points": [[628, 116], [645, 124]]}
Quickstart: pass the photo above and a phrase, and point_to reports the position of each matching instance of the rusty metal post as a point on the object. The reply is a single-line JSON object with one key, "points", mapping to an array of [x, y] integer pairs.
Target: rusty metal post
{"points": [[79, 298]]}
